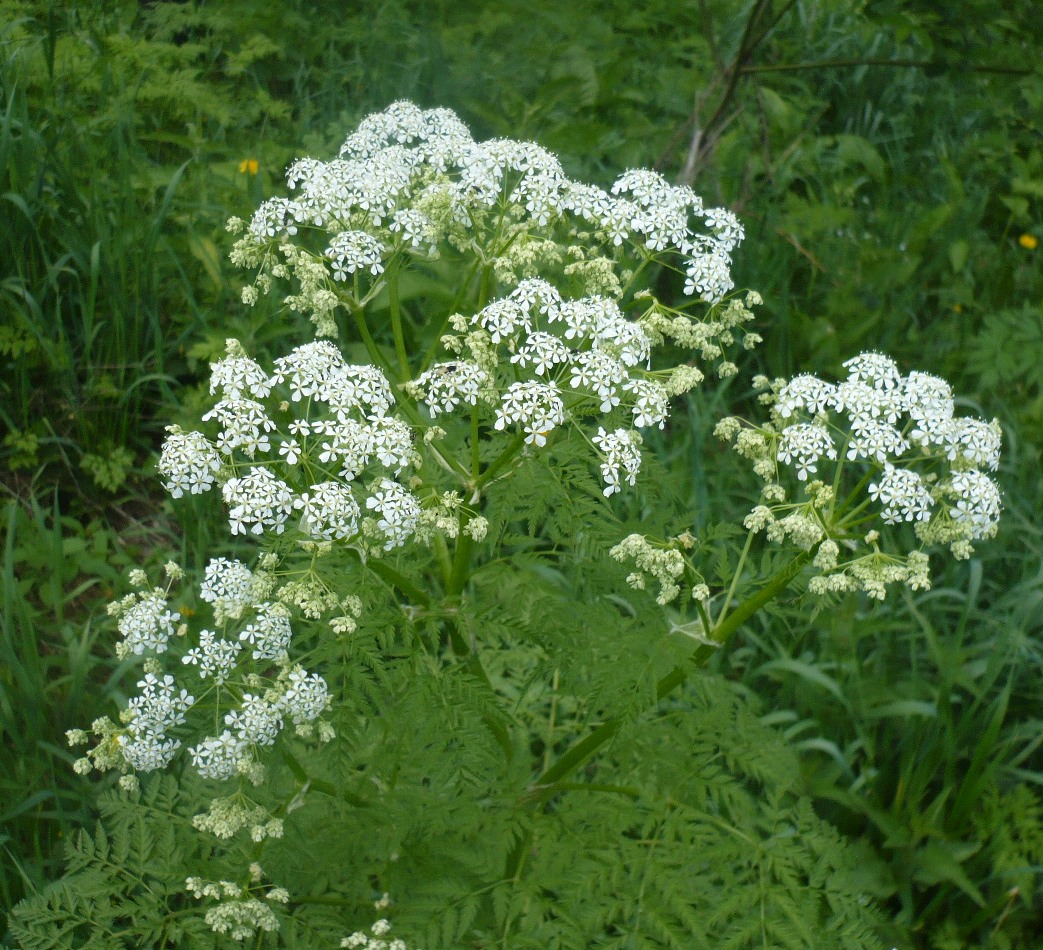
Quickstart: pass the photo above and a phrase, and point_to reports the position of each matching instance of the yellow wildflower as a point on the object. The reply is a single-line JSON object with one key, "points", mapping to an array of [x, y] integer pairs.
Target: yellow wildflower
{"points": [[248, 166], [1028, 241]]}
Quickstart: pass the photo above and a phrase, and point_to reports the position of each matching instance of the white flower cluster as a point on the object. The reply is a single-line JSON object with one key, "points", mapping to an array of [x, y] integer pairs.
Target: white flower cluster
{"points": [[158, 707], [238, 912], [375, 939], [335, 423], [918, 461], [622, 454], [583, 357], [145, 622], [255, 707], [409, 178], [409, 181], [908, 425]]}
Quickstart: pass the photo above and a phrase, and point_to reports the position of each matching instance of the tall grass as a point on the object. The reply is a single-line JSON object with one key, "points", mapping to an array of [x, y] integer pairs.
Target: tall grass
{"points": [[54, 675]]}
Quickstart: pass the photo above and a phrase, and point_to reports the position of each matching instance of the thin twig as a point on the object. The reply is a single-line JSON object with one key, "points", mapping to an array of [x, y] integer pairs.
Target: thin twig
{"points": [[902, 63]]}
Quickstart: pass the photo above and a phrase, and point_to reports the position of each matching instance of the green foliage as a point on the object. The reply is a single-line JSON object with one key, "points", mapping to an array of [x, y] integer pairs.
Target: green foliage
{"points": [[691, 823], [124, 885]]}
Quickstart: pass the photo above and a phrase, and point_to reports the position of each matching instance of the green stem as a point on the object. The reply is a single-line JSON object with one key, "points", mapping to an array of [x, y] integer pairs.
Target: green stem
{"points": [[454, 307], [396, 324], [327, 788], [445, 565], [375, 355], [485, 287], [475, 460], [395, 579], [501, 460], [736, 574], [461, 561]]}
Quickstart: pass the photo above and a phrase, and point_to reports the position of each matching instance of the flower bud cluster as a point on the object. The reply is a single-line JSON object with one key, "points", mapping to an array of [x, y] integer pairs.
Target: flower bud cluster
{"points": [[871, 453], [663, 563], [239, 911]]}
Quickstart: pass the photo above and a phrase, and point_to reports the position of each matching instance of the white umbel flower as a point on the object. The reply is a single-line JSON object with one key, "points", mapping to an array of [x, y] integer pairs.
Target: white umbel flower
{"points": [[536, 406], [329, 512], [188, 462], [398, 513], [256, 502], [902, 494], [802, 445], [622, 457]]}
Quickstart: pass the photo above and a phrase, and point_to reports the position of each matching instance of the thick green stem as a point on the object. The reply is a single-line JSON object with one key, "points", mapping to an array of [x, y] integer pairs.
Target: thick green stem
{"points": [[461, 560], [436, 340], [319, 785], [397, 580], [396, 324], [475, 444], [375, 355]]}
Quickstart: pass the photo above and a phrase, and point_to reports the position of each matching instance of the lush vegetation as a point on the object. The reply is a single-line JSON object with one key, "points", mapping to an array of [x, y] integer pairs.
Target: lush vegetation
{"points": [[887, 162]]}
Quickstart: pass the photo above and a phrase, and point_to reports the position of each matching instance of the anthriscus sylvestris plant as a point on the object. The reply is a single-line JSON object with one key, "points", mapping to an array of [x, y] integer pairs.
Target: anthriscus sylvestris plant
{"points": [[418, 667]]}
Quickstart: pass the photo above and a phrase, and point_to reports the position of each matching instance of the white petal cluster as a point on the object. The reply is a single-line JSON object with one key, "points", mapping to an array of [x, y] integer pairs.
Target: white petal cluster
{"points": [[269, 632], [351, 251], [375, 939], [447, 385], [328, 416], [398, 513], [543, 351], [245, 425], [974, 503], [305, 696], [188, 463], [237, 374], [218, 757], [902, 494], [534, 405], [329, 512], [920, 463], [160, 706], [257, 501], [255, 722], [147, 625], [228, 586], [803, 444], [409, 177], [215, 657], [411, 182], [621, 451], [318, 371], [503, 319], [651, 402]]}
